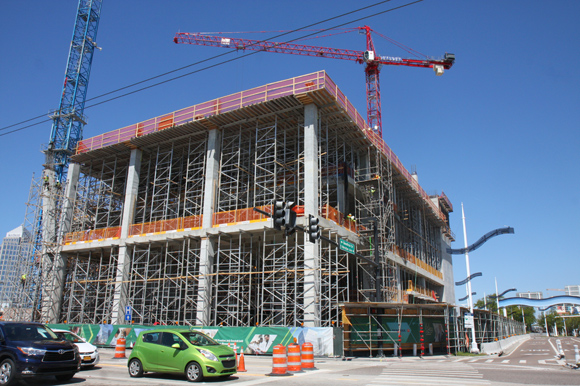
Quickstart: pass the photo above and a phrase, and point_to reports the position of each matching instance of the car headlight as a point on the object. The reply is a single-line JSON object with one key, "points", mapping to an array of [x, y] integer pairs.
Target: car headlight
{"points": [[208, 354], [31, 351]]}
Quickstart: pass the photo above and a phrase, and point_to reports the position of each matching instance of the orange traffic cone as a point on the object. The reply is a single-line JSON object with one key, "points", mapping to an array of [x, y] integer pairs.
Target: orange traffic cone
{"points": [[242, 362]]}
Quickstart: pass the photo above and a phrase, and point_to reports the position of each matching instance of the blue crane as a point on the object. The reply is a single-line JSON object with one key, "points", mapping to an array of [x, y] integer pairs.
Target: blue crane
{"points": [[68, 121]]}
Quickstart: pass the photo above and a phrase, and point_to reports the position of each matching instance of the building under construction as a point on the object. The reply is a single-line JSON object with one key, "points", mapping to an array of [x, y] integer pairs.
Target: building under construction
{"points": [[158, 218]]}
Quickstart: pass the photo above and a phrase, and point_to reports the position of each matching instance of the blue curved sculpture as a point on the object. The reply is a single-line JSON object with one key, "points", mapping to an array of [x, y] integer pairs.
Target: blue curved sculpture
{"points": [[547, 302], [468, 279], [483, 239]]}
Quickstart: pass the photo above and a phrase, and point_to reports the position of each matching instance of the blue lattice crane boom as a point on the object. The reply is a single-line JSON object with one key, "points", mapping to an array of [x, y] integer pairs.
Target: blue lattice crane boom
{"points": [[69, 119]]}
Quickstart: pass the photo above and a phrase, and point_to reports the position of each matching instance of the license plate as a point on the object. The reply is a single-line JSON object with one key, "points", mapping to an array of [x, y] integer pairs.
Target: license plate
{"points": [[87, 358]]}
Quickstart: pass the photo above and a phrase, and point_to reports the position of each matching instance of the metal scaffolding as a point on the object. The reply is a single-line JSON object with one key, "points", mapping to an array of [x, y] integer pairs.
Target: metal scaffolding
{"points": [[163, 221]]}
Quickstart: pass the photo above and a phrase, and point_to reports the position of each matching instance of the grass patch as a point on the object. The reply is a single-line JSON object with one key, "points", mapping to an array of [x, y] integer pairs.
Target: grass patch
{"points": [[467, 354]]}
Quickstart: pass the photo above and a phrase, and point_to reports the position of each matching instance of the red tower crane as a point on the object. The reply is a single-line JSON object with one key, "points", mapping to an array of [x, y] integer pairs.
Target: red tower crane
{"points": [[373, 62]]}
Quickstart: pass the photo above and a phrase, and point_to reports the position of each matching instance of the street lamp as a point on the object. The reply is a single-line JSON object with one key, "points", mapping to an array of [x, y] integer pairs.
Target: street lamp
{"points": [[474, 348]]}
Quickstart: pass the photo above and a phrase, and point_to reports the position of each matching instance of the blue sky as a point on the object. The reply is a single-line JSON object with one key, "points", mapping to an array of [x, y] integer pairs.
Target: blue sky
{"points": [[498, 132]]}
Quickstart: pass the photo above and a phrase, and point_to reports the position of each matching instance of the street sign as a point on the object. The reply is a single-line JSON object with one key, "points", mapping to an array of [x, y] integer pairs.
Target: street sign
{"points": [[128, 313], [468, 321], [346, 246]]}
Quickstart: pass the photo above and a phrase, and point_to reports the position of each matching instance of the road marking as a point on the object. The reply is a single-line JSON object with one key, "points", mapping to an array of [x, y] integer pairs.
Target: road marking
{"points": [[489, 361], [435, 373], [506, 361], [523, 361]]}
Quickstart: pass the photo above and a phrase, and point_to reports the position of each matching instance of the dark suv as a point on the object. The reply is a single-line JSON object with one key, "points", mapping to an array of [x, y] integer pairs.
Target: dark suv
{"points": [[33, 350]]}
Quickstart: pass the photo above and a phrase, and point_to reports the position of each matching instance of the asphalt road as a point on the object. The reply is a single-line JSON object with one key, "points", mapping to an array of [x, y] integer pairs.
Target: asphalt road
{"points": [[533, 362]]}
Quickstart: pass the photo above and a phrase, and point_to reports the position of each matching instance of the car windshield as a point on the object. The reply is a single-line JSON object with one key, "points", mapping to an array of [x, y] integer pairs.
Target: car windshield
{"points": [[70, 337], [28, 332], [199, 339]]}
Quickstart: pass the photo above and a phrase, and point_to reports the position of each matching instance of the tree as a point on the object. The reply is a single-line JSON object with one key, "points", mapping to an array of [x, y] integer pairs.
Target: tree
{"points": [[489, 303], [529, 315], [553, 317]]}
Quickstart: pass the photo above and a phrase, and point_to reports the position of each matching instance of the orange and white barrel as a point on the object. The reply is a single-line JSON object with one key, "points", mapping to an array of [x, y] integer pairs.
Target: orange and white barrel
{"points": [[308, 356], [120, 348], [294, 360], [279, 366]]}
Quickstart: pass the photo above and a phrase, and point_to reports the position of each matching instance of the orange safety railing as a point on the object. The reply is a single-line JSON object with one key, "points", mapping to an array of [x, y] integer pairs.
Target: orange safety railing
{"points": [[235, 216], [419, 263], [95, 234], [166, 225], [421, 290], [331, 213], [293, 86]]}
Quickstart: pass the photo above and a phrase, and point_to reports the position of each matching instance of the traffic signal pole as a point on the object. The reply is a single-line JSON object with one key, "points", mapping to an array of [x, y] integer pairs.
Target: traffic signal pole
{"points": [[376, 263]]}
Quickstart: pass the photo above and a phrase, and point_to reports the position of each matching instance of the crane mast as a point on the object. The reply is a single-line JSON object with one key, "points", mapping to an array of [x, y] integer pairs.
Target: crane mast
{"points": [[372, 61], [68, 120], [35, 287]]}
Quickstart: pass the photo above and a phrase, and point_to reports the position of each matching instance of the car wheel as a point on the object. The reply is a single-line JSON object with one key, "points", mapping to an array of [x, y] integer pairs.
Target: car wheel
{"points": [[6, 372], [64, 377], [135, 368], [193, 372]]}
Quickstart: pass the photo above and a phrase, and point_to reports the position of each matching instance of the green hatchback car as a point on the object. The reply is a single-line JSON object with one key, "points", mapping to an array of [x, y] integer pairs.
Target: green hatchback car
{"points": [[181, 351]]}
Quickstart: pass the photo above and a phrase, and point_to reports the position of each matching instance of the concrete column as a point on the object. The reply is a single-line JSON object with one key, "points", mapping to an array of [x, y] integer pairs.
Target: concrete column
{"points": [[447, 271], [53, 264], [124, 259], [70, 193], [311, 206], [207, 247], [341, 193]]}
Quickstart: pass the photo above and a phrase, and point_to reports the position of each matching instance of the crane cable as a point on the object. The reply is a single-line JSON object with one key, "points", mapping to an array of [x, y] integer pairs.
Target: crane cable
{"points": [[213, 65]]}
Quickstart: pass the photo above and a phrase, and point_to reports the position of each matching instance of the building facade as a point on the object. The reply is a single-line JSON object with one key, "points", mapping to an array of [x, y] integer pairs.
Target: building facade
{"points": [[165, 218]]}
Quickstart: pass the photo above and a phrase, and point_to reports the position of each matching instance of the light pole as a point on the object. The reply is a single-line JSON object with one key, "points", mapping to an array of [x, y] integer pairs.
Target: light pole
{"points": [[497, 296], [474, 348]]}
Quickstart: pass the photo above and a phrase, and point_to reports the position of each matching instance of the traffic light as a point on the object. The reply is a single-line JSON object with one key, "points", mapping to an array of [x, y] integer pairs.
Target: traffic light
{"points": [[313, 228], [290, 218], [279, 216]]}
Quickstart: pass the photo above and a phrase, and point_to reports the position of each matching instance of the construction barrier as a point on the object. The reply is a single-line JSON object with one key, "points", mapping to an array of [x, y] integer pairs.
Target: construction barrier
{"points": [[279, 366], [120, 348], [294, 361], [308, 356]]}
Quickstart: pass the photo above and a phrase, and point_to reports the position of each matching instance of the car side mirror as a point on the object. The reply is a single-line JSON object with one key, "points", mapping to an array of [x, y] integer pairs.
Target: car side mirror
{"points": [[176, 345]]}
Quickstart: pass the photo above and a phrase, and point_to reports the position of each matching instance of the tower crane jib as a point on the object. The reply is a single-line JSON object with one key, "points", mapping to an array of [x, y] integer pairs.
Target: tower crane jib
{"points": [[369, 57]]}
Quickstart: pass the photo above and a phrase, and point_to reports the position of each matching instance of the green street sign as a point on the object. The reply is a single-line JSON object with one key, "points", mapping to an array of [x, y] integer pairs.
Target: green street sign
{"points": [[346, 246]]}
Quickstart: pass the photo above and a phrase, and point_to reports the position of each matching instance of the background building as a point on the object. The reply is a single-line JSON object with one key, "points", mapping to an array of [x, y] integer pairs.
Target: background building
{"points": [[12, 248], [530, 295], [572, 290]]}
